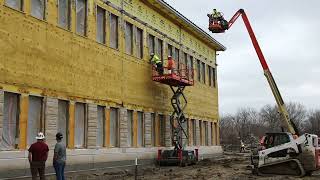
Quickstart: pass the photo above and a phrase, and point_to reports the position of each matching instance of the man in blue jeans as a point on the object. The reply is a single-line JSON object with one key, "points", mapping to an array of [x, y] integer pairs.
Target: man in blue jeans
{"points": [[59, 157]]}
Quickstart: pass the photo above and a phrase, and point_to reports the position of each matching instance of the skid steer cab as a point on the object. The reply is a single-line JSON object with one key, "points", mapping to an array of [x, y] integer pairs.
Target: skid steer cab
{"points": [[283, 153]]}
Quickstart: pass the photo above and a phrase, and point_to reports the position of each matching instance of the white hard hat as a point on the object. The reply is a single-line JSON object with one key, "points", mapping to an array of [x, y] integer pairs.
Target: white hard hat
{"points": [[40, 135]]}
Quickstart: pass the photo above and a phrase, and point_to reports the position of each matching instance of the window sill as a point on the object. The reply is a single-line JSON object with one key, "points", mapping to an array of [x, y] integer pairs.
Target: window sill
{"points": [[83, 36], [116, 49], [68, 30], [42, 20], [102, 44], [17, 10]]}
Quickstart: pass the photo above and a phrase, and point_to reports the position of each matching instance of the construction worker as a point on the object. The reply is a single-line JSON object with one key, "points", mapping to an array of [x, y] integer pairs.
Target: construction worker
{"points": [[38, 154], [171, 65], [59, 157], [157, 61], [217, 17], [241, 146]]}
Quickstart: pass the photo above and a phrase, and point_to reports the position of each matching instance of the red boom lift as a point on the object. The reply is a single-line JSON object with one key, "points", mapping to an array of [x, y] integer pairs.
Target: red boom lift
{"points": [[286, 153]]}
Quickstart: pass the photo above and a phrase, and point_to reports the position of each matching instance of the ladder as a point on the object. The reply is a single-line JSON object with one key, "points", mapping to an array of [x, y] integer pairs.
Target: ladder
{"points": [[178, 115]]}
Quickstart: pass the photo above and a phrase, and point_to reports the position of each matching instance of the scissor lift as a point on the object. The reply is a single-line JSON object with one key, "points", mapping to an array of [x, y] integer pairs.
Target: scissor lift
{"points": [[177, 79]]}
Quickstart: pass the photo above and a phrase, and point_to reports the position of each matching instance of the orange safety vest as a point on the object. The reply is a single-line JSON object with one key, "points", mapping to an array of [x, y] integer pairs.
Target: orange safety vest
{"points": [[171, 64]]}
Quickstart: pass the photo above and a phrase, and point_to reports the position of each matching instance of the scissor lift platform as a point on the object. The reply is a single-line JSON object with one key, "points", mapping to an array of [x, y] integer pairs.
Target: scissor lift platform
{"points": [[174, 77]]}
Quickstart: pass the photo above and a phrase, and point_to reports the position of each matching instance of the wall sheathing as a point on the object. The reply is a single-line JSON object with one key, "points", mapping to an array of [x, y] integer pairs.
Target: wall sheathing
{"points": [[107, 75], [39, 58], [51, 117]]}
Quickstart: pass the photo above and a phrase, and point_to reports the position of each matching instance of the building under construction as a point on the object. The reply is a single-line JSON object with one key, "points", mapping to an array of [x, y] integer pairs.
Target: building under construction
{"points": [[82, 68]]}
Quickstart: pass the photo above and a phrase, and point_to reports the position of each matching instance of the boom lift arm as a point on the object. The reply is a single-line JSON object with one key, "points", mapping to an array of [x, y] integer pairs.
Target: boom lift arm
{"points": [[216, 28]]}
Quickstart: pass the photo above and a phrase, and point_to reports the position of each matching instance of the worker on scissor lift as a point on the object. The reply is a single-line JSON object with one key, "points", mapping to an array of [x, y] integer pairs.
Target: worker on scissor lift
{"points": [[155, 60], [171, 65], [217, 18]]}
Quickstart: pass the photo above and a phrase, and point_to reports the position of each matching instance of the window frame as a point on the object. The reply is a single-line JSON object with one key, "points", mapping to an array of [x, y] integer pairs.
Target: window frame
{"points": [[170, 50], [162, 130], [199, 70], [131, 128], [85, 31], [117, 130], [153, 130], [139, 43], [21, 8], [15, 144], [116, 31], [194, 132], [68, 15], [128, 38], [203, 72], [104, 25], [160, 48], [66, 137], [151, 38], [209, 75], [142, 129], [85, 130], [104, 120], [214, 83], [43, 18]]}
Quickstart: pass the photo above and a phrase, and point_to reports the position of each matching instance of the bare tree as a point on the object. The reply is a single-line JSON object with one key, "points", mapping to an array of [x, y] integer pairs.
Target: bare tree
{"points": [[298, 114], [270, 115], [312, 124]]}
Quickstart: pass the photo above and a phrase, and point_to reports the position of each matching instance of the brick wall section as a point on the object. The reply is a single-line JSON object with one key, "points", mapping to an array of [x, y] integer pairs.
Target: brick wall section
{"points": [[168, 131], [198, 132], [147, 129], [1, 111], [123, 127], [92, 126], [51, 118]]}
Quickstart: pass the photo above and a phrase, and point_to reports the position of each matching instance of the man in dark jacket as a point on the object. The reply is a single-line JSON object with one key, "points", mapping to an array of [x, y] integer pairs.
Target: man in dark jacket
{"points": [[38, 155]]}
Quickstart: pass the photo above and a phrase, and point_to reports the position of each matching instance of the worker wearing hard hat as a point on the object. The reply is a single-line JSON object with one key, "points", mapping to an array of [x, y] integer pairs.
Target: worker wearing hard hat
{"points": [[241, 146], [38, 154], [217, 17], [157, 61], [171, 65]]}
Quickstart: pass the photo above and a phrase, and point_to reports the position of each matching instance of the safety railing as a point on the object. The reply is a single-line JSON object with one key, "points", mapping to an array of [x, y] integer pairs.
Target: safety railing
{"points": [[183, 74]]}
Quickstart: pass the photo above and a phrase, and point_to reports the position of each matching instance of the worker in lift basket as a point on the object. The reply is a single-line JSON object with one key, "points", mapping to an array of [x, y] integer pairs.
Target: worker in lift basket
{"points": [[155, 60], [217, 16]]}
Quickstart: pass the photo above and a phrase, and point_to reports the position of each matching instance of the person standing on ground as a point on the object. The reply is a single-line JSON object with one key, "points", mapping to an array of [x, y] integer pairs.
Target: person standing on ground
{"points": [[242, 146], [59, 157], [38, 155]]}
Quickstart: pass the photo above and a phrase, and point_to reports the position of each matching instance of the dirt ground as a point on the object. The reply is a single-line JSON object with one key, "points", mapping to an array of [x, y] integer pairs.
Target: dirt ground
{"points": [[231, 166]]}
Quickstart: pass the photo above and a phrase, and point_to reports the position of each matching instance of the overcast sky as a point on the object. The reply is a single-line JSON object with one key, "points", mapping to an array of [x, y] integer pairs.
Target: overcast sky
{"points": [[288, 32]]}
